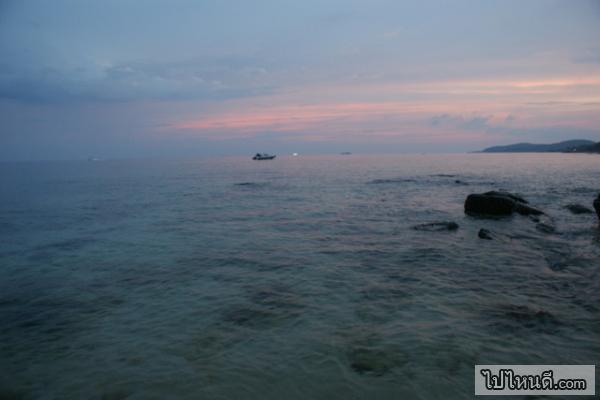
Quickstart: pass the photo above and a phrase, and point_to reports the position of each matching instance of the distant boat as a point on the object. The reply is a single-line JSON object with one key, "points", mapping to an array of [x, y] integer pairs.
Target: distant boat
{"points": [[263, 156], [345, 153]]}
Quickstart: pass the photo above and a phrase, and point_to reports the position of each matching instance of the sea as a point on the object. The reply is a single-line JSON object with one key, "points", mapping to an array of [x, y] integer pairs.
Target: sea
{"points": [[297, 278]]}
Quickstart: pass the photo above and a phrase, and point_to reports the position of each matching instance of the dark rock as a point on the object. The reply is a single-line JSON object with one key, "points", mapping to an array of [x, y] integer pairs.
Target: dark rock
{"points": [[578, 209], [498, 203], [437, 226], [492, 205], [597, 205], [545, 228], [485, 234]]}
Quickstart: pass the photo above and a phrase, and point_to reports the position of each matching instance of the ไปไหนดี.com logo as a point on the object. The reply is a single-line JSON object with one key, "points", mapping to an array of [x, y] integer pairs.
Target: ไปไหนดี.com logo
{"points": [[535, 380]]}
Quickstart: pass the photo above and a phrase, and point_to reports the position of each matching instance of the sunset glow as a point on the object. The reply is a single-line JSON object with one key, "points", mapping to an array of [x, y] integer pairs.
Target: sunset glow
{"points": [[501, 103]]}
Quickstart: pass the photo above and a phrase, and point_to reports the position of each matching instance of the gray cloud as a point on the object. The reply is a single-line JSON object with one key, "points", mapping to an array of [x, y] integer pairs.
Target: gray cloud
{"points": [[133, 81], [476, 123], [507, 128]]}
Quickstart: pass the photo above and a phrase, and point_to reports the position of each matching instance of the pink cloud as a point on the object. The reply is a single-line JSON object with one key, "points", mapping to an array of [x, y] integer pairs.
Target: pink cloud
{"points": [[402, 109]]}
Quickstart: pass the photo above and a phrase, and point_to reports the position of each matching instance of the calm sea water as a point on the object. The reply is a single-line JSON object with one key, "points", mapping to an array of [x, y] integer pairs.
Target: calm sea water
{"points": [[295, 278]]}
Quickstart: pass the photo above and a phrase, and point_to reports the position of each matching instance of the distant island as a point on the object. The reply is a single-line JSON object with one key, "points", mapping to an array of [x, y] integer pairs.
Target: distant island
{"points": [[593, 148], [579, 146]]}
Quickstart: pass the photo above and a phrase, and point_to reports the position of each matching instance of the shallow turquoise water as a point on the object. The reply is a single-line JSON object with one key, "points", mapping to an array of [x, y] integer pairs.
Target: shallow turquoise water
{"points": [[298, 278]]}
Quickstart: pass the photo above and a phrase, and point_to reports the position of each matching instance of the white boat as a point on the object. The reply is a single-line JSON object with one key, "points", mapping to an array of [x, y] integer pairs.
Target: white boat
{"points": [[263, 156]]}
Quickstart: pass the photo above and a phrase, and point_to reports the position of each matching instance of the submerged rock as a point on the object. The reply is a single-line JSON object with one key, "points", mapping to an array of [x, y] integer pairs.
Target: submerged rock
{"points": [[578, 209], [485, 234], [437, 226], [12, 395], [368, 361], [117, 394], [514, 317], [498, 204]]}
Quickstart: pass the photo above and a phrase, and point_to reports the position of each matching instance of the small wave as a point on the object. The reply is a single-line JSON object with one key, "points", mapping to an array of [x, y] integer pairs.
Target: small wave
{"points": [[252, 185], [444, 175], [257, 317], [276, 297], [391, 181], [247, 184], [423, 180], [580, 189], [437, 226], [67, 245]]}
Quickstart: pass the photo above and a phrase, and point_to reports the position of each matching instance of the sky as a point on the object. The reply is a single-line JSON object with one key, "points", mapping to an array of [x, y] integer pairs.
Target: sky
{"points": [[124, 78]]}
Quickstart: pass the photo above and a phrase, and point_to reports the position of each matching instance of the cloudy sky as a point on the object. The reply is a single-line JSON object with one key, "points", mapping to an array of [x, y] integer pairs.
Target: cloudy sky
{"points": [[124, 78]]}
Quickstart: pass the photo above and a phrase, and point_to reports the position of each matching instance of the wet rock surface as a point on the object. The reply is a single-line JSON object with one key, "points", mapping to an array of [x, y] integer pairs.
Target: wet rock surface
{"points": [[506, 194], [527, 210]]}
